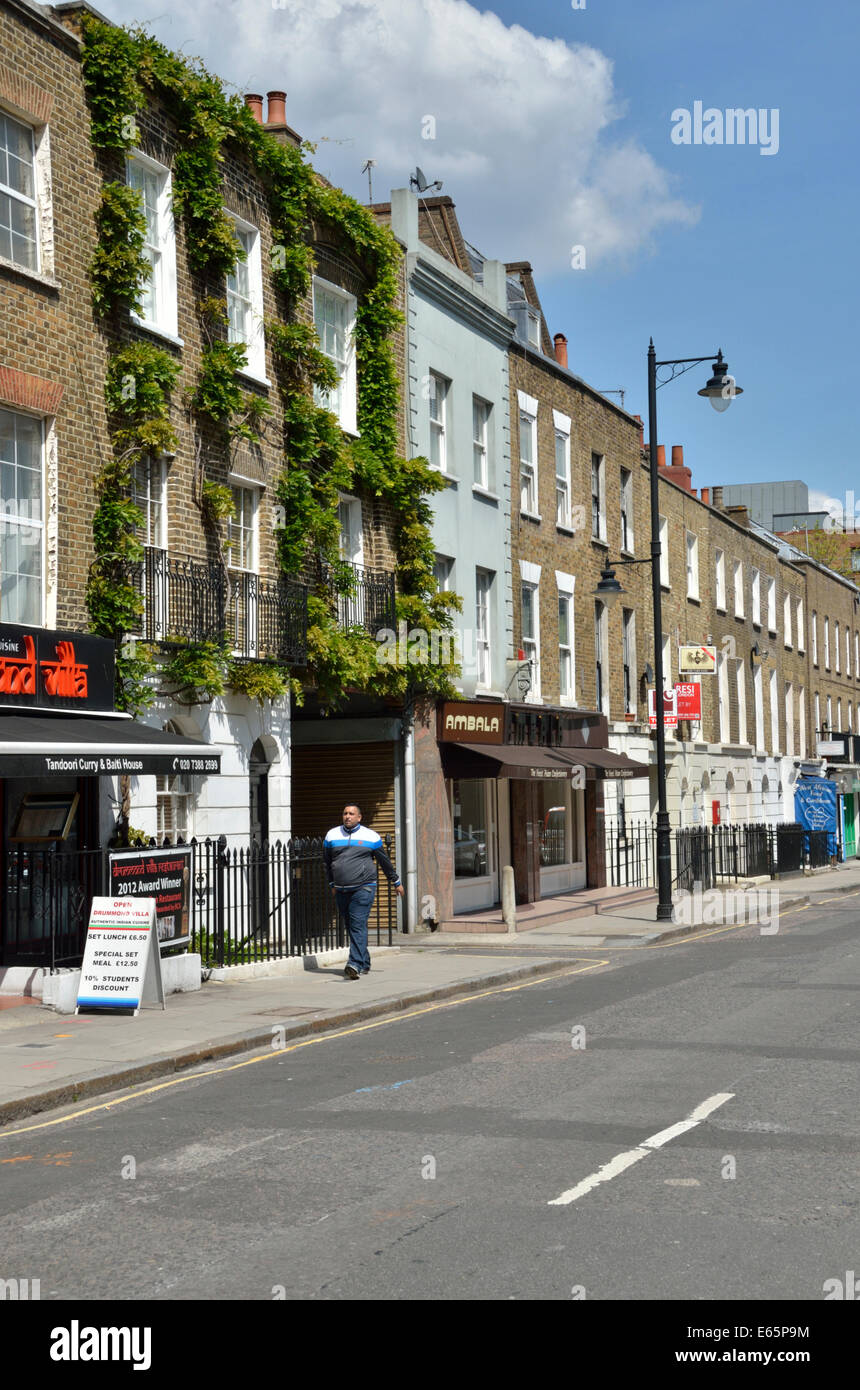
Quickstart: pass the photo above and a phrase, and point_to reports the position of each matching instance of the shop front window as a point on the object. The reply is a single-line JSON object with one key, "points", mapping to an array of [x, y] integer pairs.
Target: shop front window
{"points": [[470, 829]]}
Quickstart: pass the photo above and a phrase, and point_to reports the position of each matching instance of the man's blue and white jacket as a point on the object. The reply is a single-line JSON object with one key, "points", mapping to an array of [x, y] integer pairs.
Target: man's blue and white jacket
{"points": [[349, 856]]}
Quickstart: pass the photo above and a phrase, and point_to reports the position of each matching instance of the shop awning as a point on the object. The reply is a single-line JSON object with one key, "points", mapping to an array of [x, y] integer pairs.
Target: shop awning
{"points": [[80, 746], [500, 760], [606, 763], [535, 764]]}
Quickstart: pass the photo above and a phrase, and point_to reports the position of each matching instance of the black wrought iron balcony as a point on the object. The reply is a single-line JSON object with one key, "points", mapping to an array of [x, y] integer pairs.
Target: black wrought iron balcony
{"points": [[187, 600], [362, 597]]}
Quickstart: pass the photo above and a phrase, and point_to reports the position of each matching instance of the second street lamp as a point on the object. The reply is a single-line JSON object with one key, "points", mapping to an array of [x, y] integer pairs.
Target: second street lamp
{"points": [[720, 390]]}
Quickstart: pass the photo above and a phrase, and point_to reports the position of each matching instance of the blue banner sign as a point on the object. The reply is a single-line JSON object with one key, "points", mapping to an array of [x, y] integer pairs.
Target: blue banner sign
{"points": [[815, 807]]}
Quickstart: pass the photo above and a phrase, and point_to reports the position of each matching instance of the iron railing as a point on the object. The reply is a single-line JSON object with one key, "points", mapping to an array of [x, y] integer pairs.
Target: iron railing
{"points": [[46, 910], [261, 902], [191, 600], [712, 854], [361, 597]]}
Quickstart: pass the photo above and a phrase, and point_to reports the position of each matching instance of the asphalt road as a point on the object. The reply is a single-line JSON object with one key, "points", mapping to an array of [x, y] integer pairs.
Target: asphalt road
{"points": [[423, 1157]]}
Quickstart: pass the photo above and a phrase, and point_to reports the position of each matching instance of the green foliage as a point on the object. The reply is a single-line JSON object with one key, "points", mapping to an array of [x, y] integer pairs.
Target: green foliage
{"points": [[119, 268], [218, 502], [319, 463], [258, 680], [196, 672], [135, 669], [218, 394]]}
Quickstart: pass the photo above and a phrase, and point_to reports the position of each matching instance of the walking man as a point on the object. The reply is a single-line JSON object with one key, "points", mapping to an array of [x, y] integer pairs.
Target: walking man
{"points": [[349, 852]]}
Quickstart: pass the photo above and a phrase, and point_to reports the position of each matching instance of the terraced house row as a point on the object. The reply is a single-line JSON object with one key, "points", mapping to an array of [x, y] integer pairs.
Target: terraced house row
{"points": [[228, 580]]}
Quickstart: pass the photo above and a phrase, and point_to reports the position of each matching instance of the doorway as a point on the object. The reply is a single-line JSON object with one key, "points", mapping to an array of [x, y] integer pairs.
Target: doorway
{"points": [[258, 866]]}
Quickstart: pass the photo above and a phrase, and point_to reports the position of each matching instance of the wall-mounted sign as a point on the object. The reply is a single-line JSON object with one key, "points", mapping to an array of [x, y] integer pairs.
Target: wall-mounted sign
{"points": [[670, 709], [40, 669], [165, 875], [689, 701], [697, 661], [120, 968], [471, 721]]}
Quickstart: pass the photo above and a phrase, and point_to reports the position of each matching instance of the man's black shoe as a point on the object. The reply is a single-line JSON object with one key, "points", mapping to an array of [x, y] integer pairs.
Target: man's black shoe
{"points": [[350, 973]]}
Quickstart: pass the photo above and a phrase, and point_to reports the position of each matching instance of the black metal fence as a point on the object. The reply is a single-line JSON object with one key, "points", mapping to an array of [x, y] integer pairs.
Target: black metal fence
{"points": [[265, 901], [46, 908], [191, 600], [249, 903], [711, 854]]}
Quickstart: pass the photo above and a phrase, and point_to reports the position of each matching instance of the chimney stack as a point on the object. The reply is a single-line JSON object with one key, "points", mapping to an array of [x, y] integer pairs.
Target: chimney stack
{"points": [[254, 103], [560, 345], [677, 470], [706, 494], [661, 455], [641, 431], [718, 497], [277, 108]]}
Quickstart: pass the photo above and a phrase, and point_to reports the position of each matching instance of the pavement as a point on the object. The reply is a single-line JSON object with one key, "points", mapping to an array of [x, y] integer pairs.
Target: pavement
{"points": [[49, 1059]]}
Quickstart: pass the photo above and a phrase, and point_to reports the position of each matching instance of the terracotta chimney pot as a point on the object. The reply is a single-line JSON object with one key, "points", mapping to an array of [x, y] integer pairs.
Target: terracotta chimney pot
{"points": [[277, 108], [661, 455], [254, 102], [677, 456], [560, 345]]}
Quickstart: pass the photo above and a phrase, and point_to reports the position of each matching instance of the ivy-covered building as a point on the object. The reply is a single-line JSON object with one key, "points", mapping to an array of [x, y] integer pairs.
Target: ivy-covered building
{"points": [[201, 428]]}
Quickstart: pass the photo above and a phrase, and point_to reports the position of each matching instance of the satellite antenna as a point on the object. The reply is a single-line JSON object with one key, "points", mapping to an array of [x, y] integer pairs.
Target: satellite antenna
{"points": [[418, 180], [371, 164]]}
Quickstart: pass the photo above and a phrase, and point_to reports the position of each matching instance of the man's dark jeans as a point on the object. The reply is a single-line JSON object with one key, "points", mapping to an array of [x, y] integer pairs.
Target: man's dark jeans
{"points": [[354, 907]]}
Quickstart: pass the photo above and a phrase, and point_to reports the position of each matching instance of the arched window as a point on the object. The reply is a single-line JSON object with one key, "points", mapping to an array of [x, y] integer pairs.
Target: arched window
{"points": [[173, 803]]}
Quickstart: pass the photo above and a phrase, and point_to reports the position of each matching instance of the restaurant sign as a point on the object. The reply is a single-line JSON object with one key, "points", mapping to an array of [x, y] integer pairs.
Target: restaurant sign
{"points": [[472, 721], [49, 670]]}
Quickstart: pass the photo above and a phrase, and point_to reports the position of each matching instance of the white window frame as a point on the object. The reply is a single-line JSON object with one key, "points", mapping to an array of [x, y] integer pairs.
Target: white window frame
{"points": [[800, 619], [814, 638], [755, 586], [802, 750], [561, 426], [531, 644], [236, 528], [720, 580], [692, 565], [837, 651], [723, 698], [28, 523], [771, 605], [598, 466], [345, 405], [628, 658], [601, 657], [817, 699], [483, 626], [24, 199], [774, 715], [839, 714], [741, 691], [153, 496], [847, 651], [529, 494], [166, 309], [789, 719], [826, 643], [481, 415], [663, 533], [566, 585], [443, 568], [177, 791], [627, 537], [857, 655], [252, 334], [758, 705], [830, 716], [786, 621], [738, 584]]}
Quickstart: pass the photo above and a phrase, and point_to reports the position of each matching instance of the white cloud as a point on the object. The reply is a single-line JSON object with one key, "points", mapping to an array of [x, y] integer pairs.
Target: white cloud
{"points": [[835, 506], [524, 140]]}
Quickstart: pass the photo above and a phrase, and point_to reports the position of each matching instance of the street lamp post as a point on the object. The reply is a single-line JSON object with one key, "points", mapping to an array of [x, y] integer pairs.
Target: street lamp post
{"points": [[720, 390]]}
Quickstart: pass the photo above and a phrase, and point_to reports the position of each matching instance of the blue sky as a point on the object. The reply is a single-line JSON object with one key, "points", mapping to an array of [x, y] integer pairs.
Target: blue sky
{"points": [[552, 129]]}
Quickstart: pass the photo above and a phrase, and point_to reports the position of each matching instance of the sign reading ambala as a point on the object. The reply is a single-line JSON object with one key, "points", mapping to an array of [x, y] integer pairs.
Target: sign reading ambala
{"points": [[473, 721]]}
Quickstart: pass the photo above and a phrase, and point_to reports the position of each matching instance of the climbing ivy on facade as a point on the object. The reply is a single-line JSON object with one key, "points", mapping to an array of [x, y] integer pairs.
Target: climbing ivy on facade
{"points": [[122, 68]]}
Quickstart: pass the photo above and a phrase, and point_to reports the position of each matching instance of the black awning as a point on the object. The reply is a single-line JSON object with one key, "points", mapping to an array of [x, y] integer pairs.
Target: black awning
{"points": [[79, 746], [501, 760], [605, 763]]}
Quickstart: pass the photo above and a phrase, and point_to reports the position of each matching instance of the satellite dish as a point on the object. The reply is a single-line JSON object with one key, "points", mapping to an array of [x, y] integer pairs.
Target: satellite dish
{"points": [[419, 181]]}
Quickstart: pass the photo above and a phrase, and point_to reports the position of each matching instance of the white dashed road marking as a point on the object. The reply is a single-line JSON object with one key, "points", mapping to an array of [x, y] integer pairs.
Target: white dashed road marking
{"points": [[620, 1162]]}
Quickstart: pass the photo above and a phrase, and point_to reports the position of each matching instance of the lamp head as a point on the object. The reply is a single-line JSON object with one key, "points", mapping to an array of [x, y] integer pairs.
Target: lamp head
{"points": [[721, 389]]}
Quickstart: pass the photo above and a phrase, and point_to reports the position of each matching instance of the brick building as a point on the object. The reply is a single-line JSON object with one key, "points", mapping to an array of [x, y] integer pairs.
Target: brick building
{"points": [[198, 582]]}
